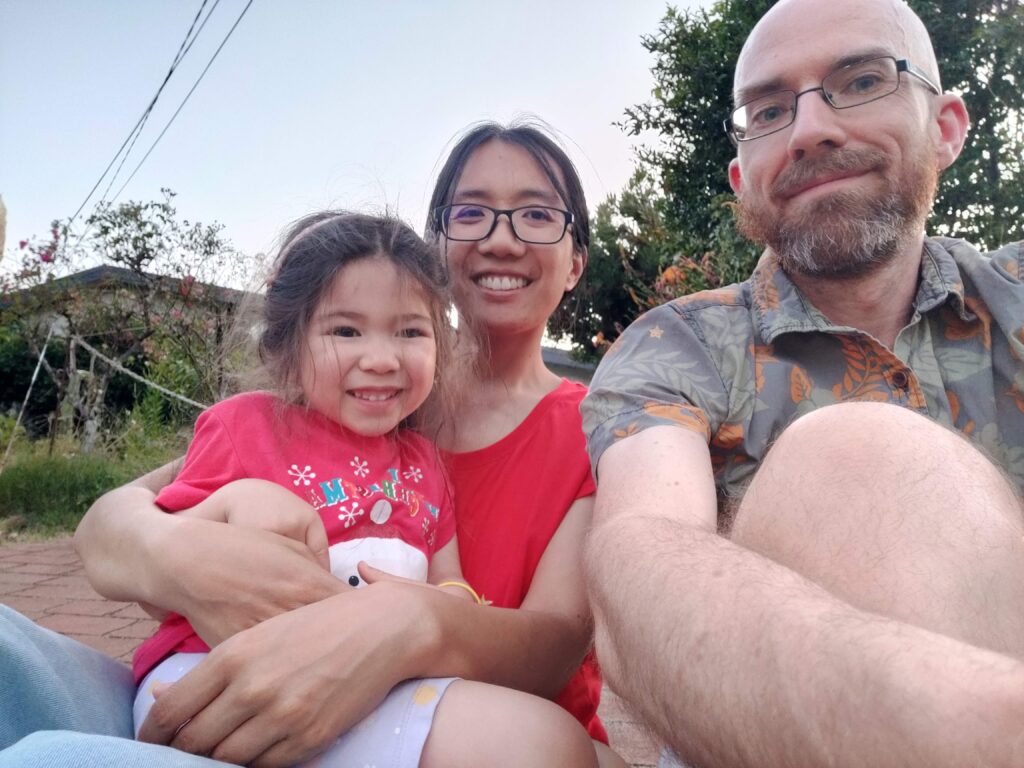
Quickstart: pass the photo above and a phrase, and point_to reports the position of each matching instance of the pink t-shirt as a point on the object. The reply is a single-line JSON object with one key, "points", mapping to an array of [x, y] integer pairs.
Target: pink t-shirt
{"points": [[398, 477]]}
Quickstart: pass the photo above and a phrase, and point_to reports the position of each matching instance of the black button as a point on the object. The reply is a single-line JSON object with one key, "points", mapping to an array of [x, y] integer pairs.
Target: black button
{"points": [[353, 580], [900, 379]]}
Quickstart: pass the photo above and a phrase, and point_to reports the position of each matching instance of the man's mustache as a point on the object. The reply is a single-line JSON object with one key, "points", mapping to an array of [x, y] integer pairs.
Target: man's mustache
{"points": [[804, 173]]}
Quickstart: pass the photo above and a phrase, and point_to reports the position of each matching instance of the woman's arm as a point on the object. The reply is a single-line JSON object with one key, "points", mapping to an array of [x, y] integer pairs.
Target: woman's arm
{"points": [[222, 578], [278, 693], [535, 648]]}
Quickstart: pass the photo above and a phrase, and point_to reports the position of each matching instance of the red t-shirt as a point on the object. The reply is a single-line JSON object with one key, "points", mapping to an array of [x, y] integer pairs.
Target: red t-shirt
{"points": [[344, 476], [510, 498]]}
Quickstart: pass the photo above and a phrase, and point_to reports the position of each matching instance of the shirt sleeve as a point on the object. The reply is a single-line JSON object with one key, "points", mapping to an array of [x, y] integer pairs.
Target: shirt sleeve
{"points": [[659, 372], [211, 463]]}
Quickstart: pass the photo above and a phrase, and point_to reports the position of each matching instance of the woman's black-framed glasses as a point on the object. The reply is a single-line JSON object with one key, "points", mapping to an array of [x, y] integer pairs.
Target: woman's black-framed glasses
{"points": [[469, 222], [849, 86]]}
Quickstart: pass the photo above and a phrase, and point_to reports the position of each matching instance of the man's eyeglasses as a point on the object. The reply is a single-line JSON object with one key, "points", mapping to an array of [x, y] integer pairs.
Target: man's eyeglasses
{"points": [[846, 87], [537, 224]]}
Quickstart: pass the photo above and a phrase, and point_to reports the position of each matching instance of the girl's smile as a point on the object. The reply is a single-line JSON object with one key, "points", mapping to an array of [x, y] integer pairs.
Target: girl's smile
{"points": [[370, 352]]}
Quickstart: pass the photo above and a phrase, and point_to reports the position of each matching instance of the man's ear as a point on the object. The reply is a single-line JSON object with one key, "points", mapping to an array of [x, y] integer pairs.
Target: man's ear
{"points": [[953, 122], [735, 177]]}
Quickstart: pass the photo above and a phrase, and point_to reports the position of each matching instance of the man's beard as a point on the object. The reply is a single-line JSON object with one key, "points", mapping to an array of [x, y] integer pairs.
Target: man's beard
{"points": [[849, 233]]}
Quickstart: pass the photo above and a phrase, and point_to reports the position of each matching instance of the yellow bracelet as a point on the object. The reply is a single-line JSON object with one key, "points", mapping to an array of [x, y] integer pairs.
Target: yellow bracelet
{"points": [[465, 586]]}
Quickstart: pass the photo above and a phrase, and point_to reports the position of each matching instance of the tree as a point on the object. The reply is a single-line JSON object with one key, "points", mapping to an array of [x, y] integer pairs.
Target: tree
{"points": [[126, 310], [980, 48]]}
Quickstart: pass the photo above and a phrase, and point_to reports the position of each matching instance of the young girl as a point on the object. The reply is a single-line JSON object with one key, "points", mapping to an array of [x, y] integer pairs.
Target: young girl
{"points": [[354, 327]]}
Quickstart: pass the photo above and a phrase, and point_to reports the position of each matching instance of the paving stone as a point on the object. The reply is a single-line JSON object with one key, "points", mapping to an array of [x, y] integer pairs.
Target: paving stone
{"points": [[18, 581], [131, 611], [33, 607], [120, 648], [634, 743], [83, 625], [92, 608], [48, 558], [43, 569], [139, 630], [80, 592], [614, 709], [71, 582]]}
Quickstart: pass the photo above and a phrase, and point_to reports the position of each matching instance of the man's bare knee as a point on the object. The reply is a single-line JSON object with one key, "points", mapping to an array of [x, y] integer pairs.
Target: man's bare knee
{"points": [[853, 452], [893, 513]]}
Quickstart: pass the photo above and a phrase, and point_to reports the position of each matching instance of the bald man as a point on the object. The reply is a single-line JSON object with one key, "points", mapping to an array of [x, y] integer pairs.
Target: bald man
{"points": [[855, 596]]}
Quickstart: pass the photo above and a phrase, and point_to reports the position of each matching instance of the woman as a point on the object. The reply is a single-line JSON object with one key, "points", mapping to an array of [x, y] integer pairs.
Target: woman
{"points": [[511, 221]]}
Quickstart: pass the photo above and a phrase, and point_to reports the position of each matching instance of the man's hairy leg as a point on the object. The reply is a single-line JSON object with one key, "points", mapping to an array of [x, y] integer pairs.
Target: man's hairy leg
{"points": [[735, 659], [895, 515]]}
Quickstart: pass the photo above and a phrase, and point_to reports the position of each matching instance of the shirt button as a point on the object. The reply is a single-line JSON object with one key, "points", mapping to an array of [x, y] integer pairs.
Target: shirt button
{"points": [[900, 380]]}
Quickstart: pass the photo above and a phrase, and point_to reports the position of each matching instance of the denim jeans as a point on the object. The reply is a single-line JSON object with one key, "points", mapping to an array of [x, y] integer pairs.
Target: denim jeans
{"points": [[63, 704]]}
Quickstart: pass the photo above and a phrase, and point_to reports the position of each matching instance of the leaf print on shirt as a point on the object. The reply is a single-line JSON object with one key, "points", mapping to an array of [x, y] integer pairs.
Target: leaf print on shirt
{"points": [[1017, 396], [863, 379], [686, 416], [728, 437], [1007, 264], [727, 295], [762, 353], [766, 292], [800, 385], [978, 330], [629, 431]]}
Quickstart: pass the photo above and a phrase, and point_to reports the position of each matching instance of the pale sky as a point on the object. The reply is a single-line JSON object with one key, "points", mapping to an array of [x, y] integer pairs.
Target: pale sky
{"points": [[310, 104]]}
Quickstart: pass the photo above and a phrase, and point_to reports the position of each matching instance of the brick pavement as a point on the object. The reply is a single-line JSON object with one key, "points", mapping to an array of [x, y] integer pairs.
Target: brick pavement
{"points": [[46, 582]]}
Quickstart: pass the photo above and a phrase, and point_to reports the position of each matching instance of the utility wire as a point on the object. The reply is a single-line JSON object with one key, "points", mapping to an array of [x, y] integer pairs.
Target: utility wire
{"points": [[182, 50], [185, 100], [142, 120]]}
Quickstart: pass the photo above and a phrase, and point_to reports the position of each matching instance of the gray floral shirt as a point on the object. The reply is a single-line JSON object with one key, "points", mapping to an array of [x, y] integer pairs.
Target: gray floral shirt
{"points": [[738, 364]]}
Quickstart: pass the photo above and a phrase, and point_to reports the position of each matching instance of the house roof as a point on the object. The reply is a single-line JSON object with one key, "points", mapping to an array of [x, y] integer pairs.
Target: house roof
{"points": [[109, 275]]}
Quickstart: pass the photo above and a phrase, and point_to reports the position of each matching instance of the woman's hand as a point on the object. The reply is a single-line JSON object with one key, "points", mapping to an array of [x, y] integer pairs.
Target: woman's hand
{"points": [[282, 691], [226, 578], [222, 578]]}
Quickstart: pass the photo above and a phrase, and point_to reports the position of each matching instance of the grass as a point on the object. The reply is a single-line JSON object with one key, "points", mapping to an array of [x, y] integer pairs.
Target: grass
{"points": [[43, 495]]}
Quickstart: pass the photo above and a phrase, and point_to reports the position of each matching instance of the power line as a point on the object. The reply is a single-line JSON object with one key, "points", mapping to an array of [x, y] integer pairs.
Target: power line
{"points": [[185, 100], [182, 50]]}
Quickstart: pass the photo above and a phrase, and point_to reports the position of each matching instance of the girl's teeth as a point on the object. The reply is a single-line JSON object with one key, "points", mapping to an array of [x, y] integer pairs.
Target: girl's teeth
{"points": [[501, 282], [372, 396]]}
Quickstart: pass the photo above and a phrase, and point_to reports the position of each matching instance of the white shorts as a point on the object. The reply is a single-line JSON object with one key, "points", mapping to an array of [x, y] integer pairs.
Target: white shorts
{"points": [[392, 736]]}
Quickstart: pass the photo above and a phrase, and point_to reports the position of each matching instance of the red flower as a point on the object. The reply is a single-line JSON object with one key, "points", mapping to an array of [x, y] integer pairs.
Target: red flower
{"points": [[23, 244], [46, 256]]}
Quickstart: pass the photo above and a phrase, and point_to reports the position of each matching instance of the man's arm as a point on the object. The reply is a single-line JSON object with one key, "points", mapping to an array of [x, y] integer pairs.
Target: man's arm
{"points": [[736, 660]]}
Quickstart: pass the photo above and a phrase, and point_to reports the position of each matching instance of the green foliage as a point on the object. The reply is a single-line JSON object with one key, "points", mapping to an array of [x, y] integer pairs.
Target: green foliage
{"points": [[628, 240], [694, 53], [152, 309], [49, 495], [980, 48], [155, 410], [683, 236], [17, 363], [671, 231], [46, 495]]}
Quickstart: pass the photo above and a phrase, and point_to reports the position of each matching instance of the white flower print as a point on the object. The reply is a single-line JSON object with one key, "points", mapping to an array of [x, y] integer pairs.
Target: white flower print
{"points": [[350, 515], [304, 475], [414, 474], [361, 468]]}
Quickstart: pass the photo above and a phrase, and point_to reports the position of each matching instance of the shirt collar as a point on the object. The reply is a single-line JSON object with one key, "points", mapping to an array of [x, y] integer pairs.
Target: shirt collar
{"points": [[779, 307]]}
